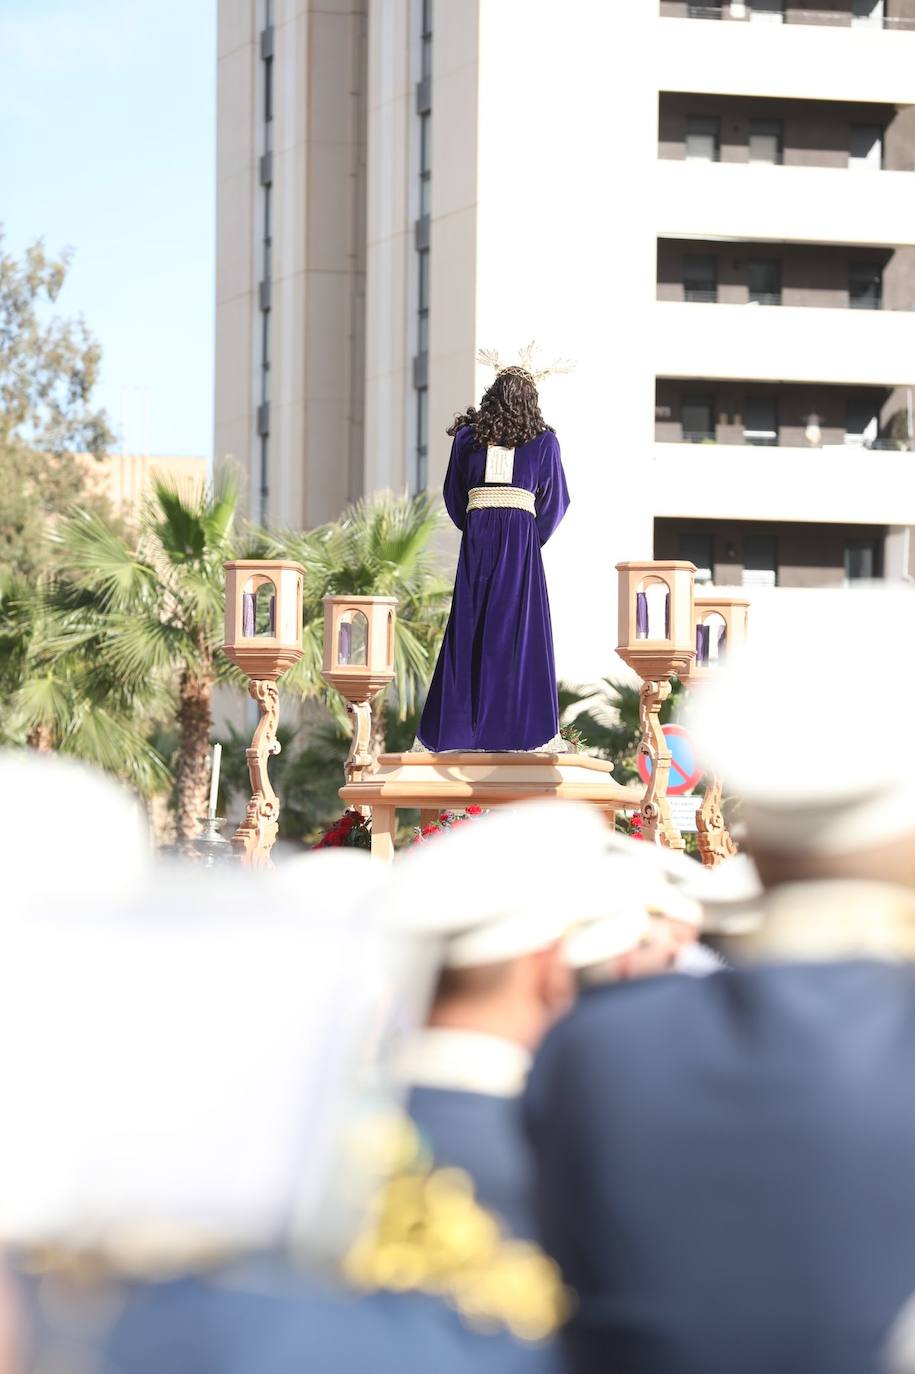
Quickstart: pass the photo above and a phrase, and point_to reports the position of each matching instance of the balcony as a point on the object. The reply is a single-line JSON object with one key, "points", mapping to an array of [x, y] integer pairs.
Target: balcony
{"points": [[817, 485], [793, 61], [724, 9], [790, 344], [730, 200]]}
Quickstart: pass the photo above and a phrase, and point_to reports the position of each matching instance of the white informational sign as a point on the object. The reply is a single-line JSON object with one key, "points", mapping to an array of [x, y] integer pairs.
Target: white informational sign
{"points": [[683, 812]]}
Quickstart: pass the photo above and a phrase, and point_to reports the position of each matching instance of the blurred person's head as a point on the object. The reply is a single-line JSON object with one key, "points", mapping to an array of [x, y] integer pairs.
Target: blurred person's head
{"points": [[779, 725], [500, 893], [508, 414], [214, 1042], [71, 834], [616, 936]]}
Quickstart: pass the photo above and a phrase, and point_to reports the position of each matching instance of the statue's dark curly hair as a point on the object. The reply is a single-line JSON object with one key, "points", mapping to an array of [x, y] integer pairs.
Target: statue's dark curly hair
{"points": [[509, 413]]}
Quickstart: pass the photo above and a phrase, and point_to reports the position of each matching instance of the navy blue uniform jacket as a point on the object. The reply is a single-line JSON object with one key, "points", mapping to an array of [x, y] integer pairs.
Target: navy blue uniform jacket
{"points": [[484, 1135], [726, 1168]]}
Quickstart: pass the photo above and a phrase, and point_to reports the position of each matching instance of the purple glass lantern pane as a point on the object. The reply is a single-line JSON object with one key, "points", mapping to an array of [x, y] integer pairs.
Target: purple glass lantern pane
{"points": [[667, 615], [273, 615], [344, 643], [641, 615], [702, 645], [247, 614]]}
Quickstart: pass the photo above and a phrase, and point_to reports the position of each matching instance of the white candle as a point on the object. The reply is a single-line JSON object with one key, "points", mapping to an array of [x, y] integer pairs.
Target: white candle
{"points": [[214, 779]]}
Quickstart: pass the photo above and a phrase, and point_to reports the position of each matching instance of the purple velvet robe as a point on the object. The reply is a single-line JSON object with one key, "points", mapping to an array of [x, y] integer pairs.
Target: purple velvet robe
{"points": [[494, 686]]}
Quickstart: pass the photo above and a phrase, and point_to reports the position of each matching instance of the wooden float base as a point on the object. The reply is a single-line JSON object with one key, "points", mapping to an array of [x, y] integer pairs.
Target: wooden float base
{"points": [[437, 782]]}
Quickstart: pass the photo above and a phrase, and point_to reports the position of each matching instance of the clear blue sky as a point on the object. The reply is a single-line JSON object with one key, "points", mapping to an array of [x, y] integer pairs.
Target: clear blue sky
{"points": [[107, 145]]}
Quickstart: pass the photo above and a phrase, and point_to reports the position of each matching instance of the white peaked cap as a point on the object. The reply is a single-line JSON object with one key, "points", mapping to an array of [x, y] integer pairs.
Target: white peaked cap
{"points": [[729, 895], [782, 723], [613, 918], [324, 880], [501, 885], [69, 833], [189, 1060], [899, 1353]]}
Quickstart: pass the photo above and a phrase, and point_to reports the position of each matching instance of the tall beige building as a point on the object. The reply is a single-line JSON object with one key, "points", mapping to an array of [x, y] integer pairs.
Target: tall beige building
{"points": [[709, 207]]}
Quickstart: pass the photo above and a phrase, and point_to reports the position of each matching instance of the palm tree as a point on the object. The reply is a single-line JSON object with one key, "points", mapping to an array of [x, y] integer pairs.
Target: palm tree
{"points": [[62, 698], [381, 546], [148, 611], [607, 714]]}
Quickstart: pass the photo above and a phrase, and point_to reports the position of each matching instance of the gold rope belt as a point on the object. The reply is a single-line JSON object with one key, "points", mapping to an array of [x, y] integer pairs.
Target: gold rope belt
{"points": [[501, 498]]}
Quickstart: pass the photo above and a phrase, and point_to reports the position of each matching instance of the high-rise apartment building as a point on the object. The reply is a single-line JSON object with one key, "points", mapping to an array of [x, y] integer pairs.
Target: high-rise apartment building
{"points": [[708, 207]]}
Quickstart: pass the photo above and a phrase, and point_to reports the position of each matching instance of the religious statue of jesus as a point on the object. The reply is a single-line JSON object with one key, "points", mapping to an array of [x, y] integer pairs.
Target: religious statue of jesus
{"points": [[494, 686]]}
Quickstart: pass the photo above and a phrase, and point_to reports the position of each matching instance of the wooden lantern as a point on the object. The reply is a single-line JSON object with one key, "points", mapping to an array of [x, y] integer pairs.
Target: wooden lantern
{"points": [[721, 630], [263, 636], [658, 639], [263, 625], [656, 623], [359, 644], [359, 663]]}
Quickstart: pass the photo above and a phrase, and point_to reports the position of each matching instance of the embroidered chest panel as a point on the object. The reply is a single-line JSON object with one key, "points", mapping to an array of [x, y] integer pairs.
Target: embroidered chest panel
{"points": [[500, 464]]}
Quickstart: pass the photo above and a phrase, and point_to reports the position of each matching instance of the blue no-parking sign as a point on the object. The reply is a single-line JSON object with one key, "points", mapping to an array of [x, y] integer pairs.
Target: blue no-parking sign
{"points": [[684, 771]]}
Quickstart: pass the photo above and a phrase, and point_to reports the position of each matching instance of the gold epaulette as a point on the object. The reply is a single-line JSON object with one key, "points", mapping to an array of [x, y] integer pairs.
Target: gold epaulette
{"points": [[429, 1234]]}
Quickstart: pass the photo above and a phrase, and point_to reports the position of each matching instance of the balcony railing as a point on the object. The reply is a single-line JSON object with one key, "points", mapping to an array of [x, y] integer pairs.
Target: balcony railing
{"points": [[763, 440], [823, 18], [691, 296]]}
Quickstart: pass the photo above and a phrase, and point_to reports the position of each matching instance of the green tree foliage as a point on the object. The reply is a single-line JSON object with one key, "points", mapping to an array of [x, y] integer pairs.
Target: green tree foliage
{"points": [[147, 610], [48, 371], [59, 697], [380, 546], [607, 714]]}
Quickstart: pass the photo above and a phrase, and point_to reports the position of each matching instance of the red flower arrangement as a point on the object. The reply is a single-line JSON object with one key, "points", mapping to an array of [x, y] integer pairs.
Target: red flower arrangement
{"points": [[351, 831], [447, 820], [634, 826]]}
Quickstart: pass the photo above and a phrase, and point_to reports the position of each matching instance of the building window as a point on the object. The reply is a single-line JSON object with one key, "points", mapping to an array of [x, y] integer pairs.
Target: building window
{"points": [[422, 437], [760, 561], [861, 560], [865, 285], [764, 279], [698, 549], [862, 422], [703, 138], [760, 421], [425, 163], [422, 309], [865, 148], [768, 11], [868, 12], [700, 277], [263, 410], [767, 141], [419, 468], [697, 419]]}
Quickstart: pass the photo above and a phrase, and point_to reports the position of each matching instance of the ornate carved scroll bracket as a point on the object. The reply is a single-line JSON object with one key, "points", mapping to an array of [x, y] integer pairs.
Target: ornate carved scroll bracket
{"points": [[657, 821], [359, 759], [715, 843], [257, 833]]}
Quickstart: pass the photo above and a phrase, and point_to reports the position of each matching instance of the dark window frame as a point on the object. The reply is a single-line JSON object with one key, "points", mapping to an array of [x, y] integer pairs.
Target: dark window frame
{"points": [[767, 128], [713, 129], [699, 436], [758, 295], [699, 286]]}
